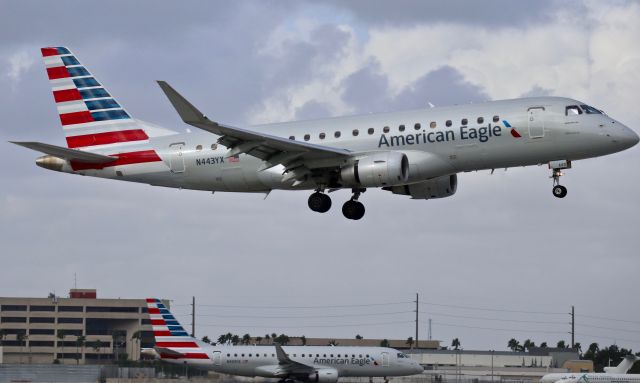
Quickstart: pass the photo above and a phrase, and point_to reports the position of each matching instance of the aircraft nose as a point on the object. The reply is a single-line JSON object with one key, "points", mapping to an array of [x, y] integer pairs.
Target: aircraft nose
{"points": [[418, 369]]}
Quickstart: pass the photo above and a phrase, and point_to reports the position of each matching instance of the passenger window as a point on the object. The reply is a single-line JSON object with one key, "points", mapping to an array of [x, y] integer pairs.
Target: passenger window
{"points": [[464, 121], [355, 132], [249, 355], [303, 355], [214, 146], [480, 120], [199, 147], [432, 125], [370, 131], [417, 126], [243, 355], [496, 118], [322, 136], [293, 138], [336, 134], [572, 110], [235, 355], [401, 128], [385, 129], [448, 123], [228, 355], [307, 137]]}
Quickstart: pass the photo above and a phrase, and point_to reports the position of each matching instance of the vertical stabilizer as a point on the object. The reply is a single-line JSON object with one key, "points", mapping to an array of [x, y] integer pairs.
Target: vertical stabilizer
{"points": [[624, 366]]}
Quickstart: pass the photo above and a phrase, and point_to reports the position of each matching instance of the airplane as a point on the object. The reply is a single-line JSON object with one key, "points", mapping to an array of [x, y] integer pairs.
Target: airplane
{"points": [[412, 153], [323, 364], [616, 374]]}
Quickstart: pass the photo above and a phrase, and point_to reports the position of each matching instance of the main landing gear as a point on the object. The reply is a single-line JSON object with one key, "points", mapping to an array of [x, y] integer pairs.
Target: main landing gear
{"points": [[352, 209], [559, 191]]}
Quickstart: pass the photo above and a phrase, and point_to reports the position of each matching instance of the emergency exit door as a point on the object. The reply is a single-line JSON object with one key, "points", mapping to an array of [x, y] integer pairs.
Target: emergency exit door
{"points": [[536, 122]]}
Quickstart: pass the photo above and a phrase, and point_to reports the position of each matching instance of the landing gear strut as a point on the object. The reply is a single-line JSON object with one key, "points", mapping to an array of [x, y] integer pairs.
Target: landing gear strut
{"points": [[319, 202], [354, 209], [558, 190]]}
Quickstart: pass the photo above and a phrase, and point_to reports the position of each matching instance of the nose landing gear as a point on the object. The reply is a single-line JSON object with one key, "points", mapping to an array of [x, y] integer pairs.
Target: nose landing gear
{"points": [[354, 209], [558, 190]]}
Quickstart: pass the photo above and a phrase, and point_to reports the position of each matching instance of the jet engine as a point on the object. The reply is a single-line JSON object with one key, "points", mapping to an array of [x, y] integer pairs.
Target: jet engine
{"points": [[377, 169], [325, 375], [438, 187]]}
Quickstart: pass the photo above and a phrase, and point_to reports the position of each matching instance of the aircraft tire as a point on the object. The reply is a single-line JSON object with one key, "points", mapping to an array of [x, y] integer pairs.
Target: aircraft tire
{"points": [[559, 191], [319, 202], [353, 210]]}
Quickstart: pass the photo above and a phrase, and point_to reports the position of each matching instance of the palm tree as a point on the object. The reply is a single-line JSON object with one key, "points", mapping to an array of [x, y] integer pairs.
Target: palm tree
{"points": [[303, 339], [543, 345], [267, 337], [455, 343], [561, 344], [528, 344], [384, 343], [409, 342], [513, 344], [333, 342], [235, 340], [274, 336], [258, 339], [206, 339], [60, 335], [222, 339], [80, 342], [20, 337], [97, 345], [246, 338], [359, 337]]}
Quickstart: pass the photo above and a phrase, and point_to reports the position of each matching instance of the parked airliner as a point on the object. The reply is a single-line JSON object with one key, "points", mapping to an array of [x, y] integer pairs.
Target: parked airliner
{"points": [[414, 153], [610, 375], [300, 363]]}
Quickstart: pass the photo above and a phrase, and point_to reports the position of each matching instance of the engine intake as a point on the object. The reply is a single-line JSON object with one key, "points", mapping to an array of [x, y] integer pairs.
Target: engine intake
{"points": [[439, 187], [325, 375], [378, 169]]}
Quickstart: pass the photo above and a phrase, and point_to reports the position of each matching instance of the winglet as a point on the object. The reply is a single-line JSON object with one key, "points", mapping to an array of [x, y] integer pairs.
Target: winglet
{"points": [[281, 355], [189, 113]]}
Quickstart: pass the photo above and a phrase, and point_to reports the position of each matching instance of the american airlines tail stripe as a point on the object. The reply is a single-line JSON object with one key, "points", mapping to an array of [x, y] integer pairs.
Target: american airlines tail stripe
{"points": [[54, 51], [76, 118], [67, 95], [57, 72], [177, 344], [107, 138], [85, 116], [123, 159], [161, 333]]}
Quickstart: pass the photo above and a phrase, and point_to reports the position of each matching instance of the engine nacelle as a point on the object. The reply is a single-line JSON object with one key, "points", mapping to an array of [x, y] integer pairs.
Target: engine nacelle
{"points": [[377, 169], [325, 375], [439, 187]]}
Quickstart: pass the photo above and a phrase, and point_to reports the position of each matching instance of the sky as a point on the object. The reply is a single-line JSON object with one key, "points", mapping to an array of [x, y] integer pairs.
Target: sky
{"points": [[501, 258]]}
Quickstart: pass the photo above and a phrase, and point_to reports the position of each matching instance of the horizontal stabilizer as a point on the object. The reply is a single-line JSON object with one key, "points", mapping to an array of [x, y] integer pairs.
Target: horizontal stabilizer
{"points": [[67, 154], [168, 351]]}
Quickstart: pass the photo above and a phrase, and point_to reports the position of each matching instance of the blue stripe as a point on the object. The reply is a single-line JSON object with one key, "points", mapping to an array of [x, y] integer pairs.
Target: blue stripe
{"points": [[506, 123], [85, 82], [164, 311], [94, 93], [70, 60], [174, 328], [110, 115], [107, 103], [179, 333], [78, 71], [168, 317], [62, 51]]}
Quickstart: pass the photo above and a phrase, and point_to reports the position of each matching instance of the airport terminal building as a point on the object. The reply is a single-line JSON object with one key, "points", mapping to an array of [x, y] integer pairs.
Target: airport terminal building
{"points": [[80, 329]]}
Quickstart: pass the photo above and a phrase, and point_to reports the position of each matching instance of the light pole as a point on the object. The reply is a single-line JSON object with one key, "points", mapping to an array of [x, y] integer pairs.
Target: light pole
{"points": [[492, 351]]}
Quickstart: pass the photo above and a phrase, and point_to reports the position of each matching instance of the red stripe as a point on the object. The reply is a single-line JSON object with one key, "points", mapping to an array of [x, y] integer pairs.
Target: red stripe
{"points": [[156, 322], [162, 333], [57, 72], [124, 159], [49, 52], [66, 95], [76, 118], [107, 138], [151, 300], [189, 355], [177, 344], [154, 311]]}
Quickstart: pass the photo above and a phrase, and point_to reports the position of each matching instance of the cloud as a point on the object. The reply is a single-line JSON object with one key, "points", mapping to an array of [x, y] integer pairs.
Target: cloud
{"points": [[18, 64]]}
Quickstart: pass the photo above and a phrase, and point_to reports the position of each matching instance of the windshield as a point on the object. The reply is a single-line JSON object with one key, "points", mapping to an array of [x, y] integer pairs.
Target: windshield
{"points": [[401, 355], [590, 109]]}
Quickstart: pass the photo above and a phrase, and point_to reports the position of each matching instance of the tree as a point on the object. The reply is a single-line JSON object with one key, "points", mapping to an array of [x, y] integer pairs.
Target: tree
{"points": [[528, 344], [409, 342], [21, 338], [543, 345], [578, 347], [359, 337], [561, 344], [303, 339], [384, 343], [60, 335], [332, 342], [97, 347], [455, 343], [235, 340], [513, 344], [246, 339], [258, 339], [267, 337], [206, 339], [222, 339], [274, 336], [282, 339], [80, 342]]}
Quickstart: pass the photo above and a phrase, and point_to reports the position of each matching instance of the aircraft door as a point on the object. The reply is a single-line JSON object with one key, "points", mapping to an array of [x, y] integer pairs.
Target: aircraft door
{"points": [[217, 358], [176, 162], [385, 359], [536, 122]]}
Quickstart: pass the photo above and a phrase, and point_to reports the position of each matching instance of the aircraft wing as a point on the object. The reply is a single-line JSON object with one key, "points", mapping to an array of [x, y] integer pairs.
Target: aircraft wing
{"points": [[68, 154], [290, 366], [271, 149]]}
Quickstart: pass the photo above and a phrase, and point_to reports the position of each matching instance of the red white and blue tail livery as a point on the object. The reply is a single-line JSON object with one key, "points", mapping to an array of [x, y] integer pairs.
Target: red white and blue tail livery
{"points": [[415, 153]]}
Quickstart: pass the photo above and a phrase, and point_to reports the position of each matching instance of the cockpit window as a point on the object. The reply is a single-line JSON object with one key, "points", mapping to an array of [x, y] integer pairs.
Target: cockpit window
{"points": [[590, 109], [572, 110], [401, 355]]}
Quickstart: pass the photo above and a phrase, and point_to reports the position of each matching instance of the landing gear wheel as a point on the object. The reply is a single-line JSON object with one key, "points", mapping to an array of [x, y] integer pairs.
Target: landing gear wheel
{"points": [[559, 191], [353, 210], [319, 202]]}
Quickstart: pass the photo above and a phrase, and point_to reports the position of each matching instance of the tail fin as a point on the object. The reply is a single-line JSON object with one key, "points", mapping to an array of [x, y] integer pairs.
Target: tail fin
{"points": [[624, 366], [90, 116], [172, 340]]}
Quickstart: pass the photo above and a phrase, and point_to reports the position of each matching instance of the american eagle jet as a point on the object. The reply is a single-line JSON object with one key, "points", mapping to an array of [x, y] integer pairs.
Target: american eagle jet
{"points": [[414, 153]]}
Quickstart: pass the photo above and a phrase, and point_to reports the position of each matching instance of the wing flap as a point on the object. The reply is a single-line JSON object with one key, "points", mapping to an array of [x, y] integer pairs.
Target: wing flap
{"points": [[66, 153], [291, 366]]}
